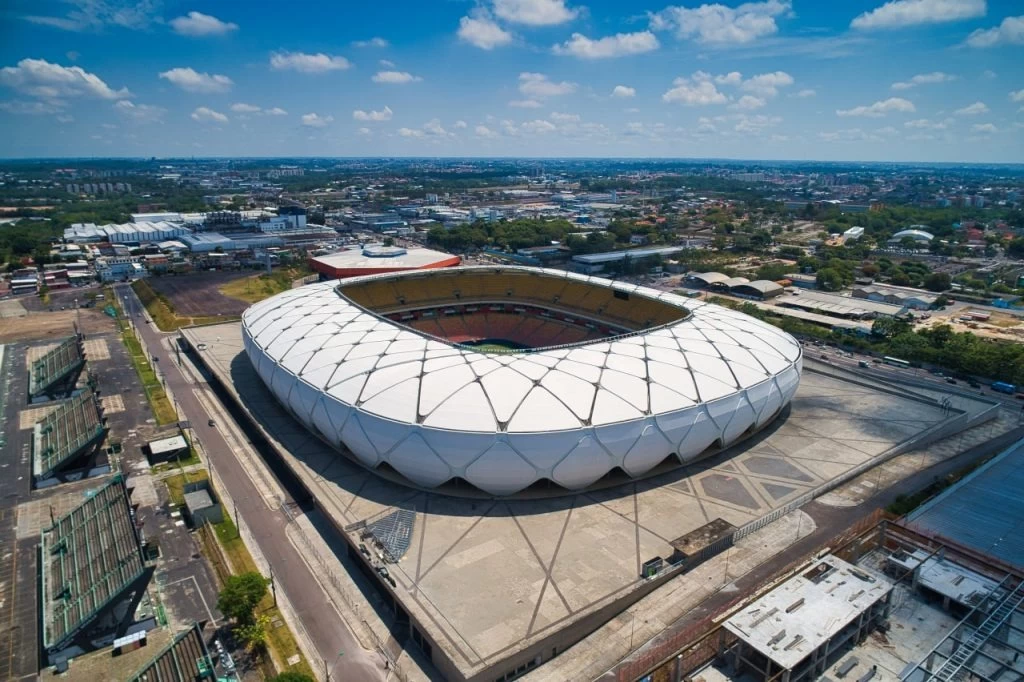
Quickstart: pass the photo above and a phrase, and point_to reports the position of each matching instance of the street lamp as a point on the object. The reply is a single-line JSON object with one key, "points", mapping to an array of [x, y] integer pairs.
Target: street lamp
{"points": [[327, 671]]}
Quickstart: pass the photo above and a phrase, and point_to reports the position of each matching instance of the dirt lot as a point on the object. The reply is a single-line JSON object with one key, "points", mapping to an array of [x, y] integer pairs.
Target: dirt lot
{"points": [[196, 293], [999, 326], [56, 325]]}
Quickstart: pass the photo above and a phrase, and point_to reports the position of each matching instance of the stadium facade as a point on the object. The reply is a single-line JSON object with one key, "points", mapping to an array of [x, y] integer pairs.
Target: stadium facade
{"points": [[606, 375]]}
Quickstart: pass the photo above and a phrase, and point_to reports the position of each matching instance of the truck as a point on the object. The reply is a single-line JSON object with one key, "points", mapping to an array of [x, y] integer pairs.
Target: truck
{"points": [[1004, 387]]}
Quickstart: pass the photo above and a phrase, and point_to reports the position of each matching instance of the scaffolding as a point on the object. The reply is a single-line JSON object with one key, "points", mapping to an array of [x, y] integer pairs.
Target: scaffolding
{"points": [[987, 645]]}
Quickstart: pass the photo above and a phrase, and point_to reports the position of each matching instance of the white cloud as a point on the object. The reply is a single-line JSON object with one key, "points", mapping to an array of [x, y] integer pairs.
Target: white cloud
{"points": [[190, 80], [972, 109], [925, 124], [534, 12], [460, 125], [1010, 32], [1017, 96], [315, 120], [95, 14], [538, 85], [395, 77], [479, 29], [623, 91], [33, 108], [987, 128], [565, 118], [618, 45], [902, 13], [364, 131], [538, 127], [748, 103], [207, 115], [767, 84], [754, 125], [410, 132], [879, 109], [307, 63], [484, 132], [39, 78], [275, 111], [384, 114], [143, 113], [387, 63], [525, 104], [64, 118], [697, 93], [243, 108], [372, 42], [722, 25], [430, 129], [731, 78], [198, 25], [924, 79], [803, 94]]}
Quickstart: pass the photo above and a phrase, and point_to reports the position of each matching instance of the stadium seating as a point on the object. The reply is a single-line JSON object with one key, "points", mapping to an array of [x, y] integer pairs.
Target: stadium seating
{"points": [[72, 428]]}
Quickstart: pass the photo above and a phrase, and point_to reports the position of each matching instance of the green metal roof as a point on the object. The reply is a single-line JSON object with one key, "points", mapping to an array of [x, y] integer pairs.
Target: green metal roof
{"points": [[67, 357]]}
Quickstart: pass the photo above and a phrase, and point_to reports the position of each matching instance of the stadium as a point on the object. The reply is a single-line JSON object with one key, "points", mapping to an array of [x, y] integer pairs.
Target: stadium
{"points": [[512, 379]]}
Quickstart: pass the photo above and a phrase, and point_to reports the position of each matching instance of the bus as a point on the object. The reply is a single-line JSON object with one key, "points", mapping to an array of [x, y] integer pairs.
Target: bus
{"points": [[896, 362], [1004, 387]]}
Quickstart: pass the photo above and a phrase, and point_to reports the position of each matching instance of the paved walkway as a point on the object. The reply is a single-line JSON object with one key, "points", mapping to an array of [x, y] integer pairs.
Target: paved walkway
{"points": [[251, 493]]}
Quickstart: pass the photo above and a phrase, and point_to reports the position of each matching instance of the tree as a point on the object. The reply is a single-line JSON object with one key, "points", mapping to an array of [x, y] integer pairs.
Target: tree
{"points": [[830, 279], [388, 241], [889, 327], [942, 301], [240, 596], [937, 281], [1015, 249], [254, 634]]}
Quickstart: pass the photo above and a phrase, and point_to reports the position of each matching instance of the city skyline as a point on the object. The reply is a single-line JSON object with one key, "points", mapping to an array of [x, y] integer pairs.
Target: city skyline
{"points": [[907, 80]]}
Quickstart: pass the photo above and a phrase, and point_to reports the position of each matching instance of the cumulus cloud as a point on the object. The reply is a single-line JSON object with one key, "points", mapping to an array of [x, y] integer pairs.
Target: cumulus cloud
{"points": [[275, 111], [142, 113], [803, 94], [984, 128], [480, 30], [484, 132], [699, 92], [1017, 96], [538, 127], [972, 109], [880, 108], [623, 91], [372, 42], [564, 118], [537, 85], [718, 24], [243, 108], [618, 45], [1010, 32], [534, 12], [748, 103], [430, 129], [923, 79], [207, 115], [903, 13], [525, 104], [307, 63], [925, 124], [315, 120], [395, 77], [384, 114], [199, 25], [767, 84], [42, 79], [33, 108], [190, 80], [460, 125]]}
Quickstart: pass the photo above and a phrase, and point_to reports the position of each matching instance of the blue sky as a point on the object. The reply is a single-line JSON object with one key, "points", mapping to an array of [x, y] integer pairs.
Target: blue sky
{"points": [[906, 80]]}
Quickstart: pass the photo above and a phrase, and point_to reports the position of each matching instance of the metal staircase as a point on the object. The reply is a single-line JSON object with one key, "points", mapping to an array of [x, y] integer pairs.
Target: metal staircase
{"points": [[954, 666]]}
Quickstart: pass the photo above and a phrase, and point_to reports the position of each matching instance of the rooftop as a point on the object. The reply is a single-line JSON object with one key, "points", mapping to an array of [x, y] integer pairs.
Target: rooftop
{"points": [[185, 659], [373, 257], [834, 304], [165, 445], [55, 365], [62, 434], [87, 558], [610, 256], [796, 618], [984, 511]]}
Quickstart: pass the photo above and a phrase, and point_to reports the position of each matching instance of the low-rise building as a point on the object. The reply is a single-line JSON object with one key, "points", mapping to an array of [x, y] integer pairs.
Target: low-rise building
{"points": [[915, 299]]}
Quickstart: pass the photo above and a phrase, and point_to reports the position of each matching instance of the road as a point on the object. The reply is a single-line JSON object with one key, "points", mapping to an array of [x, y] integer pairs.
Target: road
{"points": [[326, 629]]}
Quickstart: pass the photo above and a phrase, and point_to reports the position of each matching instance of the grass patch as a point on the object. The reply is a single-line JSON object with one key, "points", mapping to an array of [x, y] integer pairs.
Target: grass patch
{"points": [[160, 404], [258, 287], [176, 484], [162, 312], [280, 640]]}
